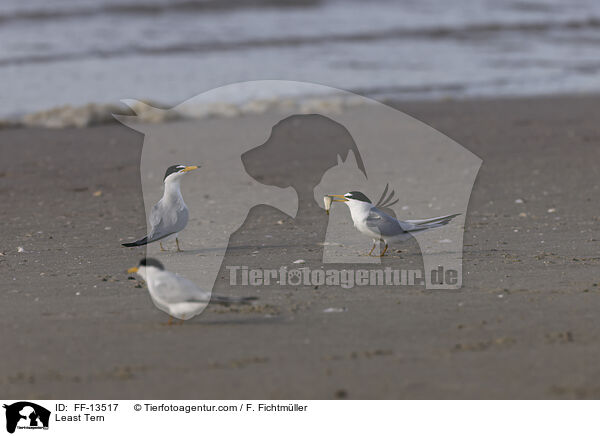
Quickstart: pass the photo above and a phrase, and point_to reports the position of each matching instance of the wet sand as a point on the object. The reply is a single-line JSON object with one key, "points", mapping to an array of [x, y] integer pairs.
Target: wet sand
{"points": [[524, 325]]}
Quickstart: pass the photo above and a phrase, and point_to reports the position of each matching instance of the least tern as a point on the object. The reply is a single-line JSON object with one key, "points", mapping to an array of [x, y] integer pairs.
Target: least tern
{"points": [[176, 295], [170, 215], [371, 221]]}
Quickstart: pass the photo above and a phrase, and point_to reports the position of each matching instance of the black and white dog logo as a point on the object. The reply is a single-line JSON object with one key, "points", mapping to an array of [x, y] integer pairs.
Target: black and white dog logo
{"points": [[26, 415]]}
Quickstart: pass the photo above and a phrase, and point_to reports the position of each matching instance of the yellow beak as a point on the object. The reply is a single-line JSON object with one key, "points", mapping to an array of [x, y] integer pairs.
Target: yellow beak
{"points": [[336, 197], [132, 270], [190, 168]]}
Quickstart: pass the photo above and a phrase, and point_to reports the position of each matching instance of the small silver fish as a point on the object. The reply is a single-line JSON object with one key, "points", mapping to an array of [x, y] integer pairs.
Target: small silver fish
{"points": [[327, 200]]}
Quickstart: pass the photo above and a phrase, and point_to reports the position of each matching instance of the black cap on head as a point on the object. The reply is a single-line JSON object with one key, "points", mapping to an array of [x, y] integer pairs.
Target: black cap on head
{"points": [[173, 169], [356, 195], [148, 261]]}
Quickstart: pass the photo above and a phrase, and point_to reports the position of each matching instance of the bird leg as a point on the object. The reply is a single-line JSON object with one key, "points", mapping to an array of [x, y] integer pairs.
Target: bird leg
{"points": [[384, 250], [177, 242], [181, 321], [373, 248], [161, 247], [170, 322]]}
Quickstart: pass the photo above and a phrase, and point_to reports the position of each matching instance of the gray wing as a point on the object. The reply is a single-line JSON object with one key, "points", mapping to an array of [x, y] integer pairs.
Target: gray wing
{"points": [[384, 224], [165, 221], [173, 288], [155, 223]]}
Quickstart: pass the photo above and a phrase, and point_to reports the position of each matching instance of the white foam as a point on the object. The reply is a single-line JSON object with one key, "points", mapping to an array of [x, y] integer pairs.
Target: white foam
{"points": [[96, 113]]}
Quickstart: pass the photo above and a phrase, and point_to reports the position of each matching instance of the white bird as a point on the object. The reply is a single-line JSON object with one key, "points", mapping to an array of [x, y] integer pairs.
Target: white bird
{"points": [[371, 221], [176, 295], [170, 215]]}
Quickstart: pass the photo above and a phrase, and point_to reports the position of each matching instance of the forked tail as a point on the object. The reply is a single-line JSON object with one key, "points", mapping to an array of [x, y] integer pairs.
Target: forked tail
{"points": [[137, 243], [232, 300], [431, 223]]}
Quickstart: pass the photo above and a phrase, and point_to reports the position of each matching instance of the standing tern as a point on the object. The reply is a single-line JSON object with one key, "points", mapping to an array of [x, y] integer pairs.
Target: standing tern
{"points": [[176, 295], [170, 215], [371, 221]]}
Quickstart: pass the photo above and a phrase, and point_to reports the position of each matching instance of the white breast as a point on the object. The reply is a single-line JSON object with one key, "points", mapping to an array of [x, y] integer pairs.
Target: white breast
{"points": [[360, 212]]}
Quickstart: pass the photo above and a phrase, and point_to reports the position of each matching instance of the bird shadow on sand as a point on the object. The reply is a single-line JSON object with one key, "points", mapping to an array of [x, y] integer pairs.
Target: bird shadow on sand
{"points": [[254, 320], [234, 248]]}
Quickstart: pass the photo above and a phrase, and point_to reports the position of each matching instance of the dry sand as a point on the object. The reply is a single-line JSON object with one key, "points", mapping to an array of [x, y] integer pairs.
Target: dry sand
{"points": [[524, 325]]}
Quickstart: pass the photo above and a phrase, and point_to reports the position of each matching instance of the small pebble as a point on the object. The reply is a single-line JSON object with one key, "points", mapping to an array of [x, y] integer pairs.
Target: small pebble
{"points": [[335, 310]]}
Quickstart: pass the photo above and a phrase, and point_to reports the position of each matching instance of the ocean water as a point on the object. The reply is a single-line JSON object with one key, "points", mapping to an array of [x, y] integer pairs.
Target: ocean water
{"points": [[58, 52]]}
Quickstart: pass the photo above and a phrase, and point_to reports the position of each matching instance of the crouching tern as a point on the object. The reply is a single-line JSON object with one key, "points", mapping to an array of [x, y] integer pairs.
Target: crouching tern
{"points": [[371, 221], [176, 295], [170, 215]]}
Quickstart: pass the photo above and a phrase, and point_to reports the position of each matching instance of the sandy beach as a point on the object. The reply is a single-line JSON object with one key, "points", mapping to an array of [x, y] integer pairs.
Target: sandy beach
{"points": [[75, 326]]}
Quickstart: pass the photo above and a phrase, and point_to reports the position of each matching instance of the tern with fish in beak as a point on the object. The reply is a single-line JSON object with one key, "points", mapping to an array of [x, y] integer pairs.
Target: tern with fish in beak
{"points": [[371, 221]]}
